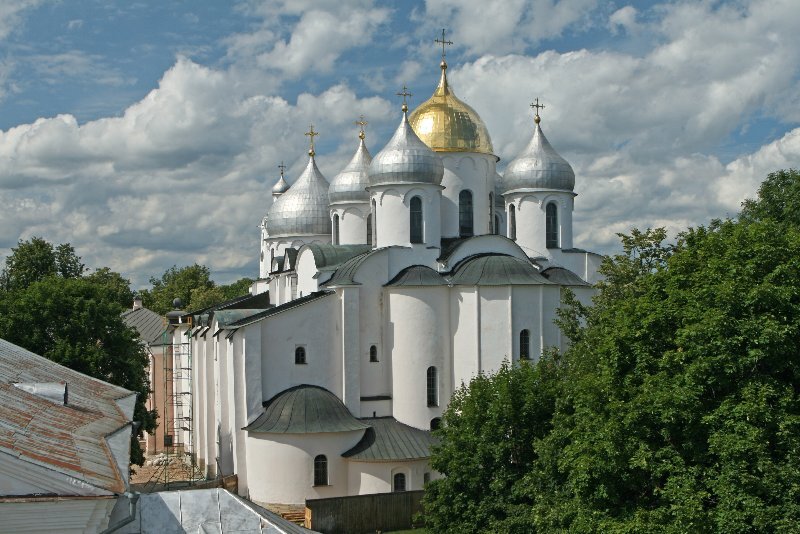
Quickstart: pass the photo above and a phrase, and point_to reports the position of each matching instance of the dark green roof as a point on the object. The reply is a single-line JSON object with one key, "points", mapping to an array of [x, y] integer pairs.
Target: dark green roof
{"points": [[388, 439], [327, 255], [278, 309], [347, 270], [417, 275], [227, 317], [449, 245], [495, 270], [305, 409], [564, 277]]}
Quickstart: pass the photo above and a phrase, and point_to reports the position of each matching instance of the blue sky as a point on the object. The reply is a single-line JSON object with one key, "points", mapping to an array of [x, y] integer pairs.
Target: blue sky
{"points": [[148, 134]]}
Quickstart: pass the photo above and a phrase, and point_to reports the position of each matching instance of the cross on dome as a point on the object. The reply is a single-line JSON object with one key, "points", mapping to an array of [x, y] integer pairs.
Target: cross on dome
{"points": [[444, 43], [537, 106], [361, 123], [404, 94], [312, 134], [282, 167]]}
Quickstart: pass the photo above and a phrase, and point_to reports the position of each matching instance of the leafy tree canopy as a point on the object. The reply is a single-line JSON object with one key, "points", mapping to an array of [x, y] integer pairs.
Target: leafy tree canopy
{"points": [[36, 259], [193, 286]]}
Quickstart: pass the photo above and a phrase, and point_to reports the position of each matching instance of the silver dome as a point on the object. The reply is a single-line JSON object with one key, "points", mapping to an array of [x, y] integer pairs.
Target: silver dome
{"points": [[303, 209], [280, 187], [406, 159], [350, 184], [539, 167]]}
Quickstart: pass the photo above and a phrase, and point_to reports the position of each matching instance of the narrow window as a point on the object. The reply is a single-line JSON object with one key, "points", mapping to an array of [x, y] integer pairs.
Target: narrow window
{"points": [[399, 482], [465, 214], [300, 355], [373, 353], [525, 345], [491, 213], [433, 387], [336, 229], [551, 225], [374, 224], [416, 220], [436, 423], [496, 225], [512, 222], [426, 478], [320, 470], [369, 229]]}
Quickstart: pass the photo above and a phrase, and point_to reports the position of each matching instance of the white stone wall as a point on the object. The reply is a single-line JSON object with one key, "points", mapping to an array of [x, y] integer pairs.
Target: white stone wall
{"points": [[473, 172]]}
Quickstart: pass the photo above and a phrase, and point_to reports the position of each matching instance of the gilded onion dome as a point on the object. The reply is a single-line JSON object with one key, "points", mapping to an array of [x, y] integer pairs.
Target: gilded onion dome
{"points": [[446, 124], [405, 159], [303, 209], [350, 184], [539, 166]]}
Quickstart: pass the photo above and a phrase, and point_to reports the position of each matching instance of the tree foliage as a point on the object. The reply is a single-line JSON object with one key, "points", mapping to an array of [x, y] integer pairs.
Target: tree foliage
{"points": [[193, 286], [677, 405], [50, 307]]}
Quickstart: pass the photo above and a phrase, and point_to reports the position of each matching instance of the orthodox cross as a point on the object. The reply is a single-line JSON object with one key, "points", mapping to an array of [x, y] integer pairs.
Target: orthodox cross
{"points": [[537, 106], [312, 134], [443, 42], [282, 167], [404, 94], [361, 122]]}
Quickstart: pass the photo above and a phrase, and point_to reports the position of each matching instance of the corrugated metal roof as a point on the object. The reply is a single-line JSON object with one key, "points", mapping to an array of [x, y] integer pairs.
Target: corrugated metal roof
{"points": [[388, 439], [305, 409], [496, 270], [417, 275], [564, 277], [147, 323], [68, 439]]}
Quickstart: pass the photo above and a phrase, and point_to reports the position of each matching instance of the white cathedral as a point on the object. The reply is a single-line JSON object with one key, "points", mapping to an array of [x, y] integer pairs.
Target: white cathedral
{"points": [[379, 294]]}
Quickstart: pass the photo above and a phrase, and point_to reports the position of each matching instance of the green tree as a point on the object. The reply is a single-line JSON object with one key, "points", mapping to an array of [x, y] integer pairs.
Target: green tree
{"points": [[50, 309], [176, 283]]}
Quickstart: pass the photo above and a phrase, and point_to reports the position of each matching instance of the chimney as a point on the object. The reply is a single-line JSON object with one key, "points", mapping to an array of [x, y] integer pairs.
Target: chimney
{"points": [[57, 392], [137, 302]]}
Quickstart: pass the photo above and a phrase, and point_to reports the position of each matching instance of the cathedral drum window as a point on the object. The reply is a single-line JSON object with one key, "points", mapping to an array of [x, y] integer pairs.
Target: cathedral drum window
{"points": [[373, 353], [512, 223], [525, 345], [300, 355], [465, 217], [432, 387], [551, 225], [321, 470], [399, 482], [416, 220]]}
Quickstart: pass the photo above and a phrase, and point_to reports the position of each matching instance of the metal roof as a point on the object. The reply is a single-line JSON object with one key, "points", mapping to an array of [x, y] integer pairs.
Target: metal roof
{"points": [[147, 323], [496, 270], [278, 309], [303, 209], [350, 184], [539, 166], [387, 439], [327, 255], [346, 272], [69, 439], [405, 159], [417, 275], [305, 409], [564, 277]]}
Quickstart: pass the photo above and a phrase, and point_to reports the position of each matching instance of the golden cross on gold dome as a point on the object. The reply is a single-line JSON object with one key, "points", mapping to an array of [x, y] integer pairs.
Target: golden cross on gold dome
{"points": [[312, 134], [282, 167], [404, 94], [361, 122], [537, 106], [443, 42]]}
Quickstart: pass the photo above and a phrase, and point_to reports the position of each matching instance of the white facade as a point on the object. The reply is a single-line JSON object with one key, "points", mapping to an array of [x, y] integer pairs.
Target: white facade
{"points": [[408, 296]]}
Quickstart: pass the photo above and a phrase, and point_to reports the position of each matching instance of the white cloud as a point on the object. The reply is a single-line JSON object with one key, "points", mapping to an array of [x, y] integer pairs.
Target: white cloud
{"points": [[11, 14], [625, 18]]}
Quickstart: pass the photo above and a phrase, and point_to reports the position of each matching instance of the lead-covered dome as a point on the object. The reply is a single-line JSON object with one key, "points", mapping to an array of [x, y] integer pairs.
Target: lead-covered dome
{"points": [[350, 184], [303, 209], [539, 166], [405, 159], [446, 124], [281, 186]]}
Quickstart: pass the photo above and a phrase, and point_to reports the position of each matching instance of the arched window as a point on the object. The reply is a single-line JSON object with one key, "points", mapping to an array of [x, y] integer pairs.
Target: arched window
{"points": [[320, 470], [416, 220], [496, 224], [465, 214], [399, 483], [491, 213], [336, 229], [512, 222], [369, 229], [436, 423], [300, 355], [525, 345], [551, 225], [433, 387], [373, 353]]}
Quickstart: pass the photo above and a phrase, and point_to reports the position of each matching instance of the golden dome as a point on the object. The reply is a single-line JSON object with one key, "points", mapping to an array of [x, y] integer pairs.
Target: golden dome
{"points": [[446, 124]]}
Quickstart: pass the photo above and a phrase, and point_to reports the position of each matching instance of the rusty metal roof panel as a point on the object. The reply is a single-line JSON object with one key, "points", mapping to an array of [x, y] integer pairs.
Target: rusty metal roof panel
{"points": [[69, 439]]}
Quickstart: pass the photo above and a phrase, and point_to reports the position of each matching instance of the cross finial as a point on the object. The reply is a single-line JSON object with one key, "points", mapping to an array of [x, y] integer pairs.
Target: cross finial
{"points": [[537, 106], [282, 167], [312, 134], [404, 94], [444, 43], [361, 123]]}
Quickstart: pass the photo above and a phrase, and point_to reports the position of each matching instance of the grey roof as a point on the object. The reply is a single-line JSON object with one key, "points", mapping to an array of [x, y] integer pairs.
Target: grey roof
{"points": [[227, 317], [564, 277], [65, 438], [327, 255], [147, 323], [449, 245], [406, 159], [305, 409], [344, 275], [387, 439], [278, 309], [539, 166], [417, 275], [281, 186], [350, 185], [496, 270], [303, 209]]}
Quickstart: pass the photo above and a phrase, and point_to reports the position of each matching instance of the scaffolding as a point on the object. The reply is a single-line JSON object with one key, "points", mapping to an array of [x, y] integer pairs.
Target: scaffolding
{"points": [[178, 464]]}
